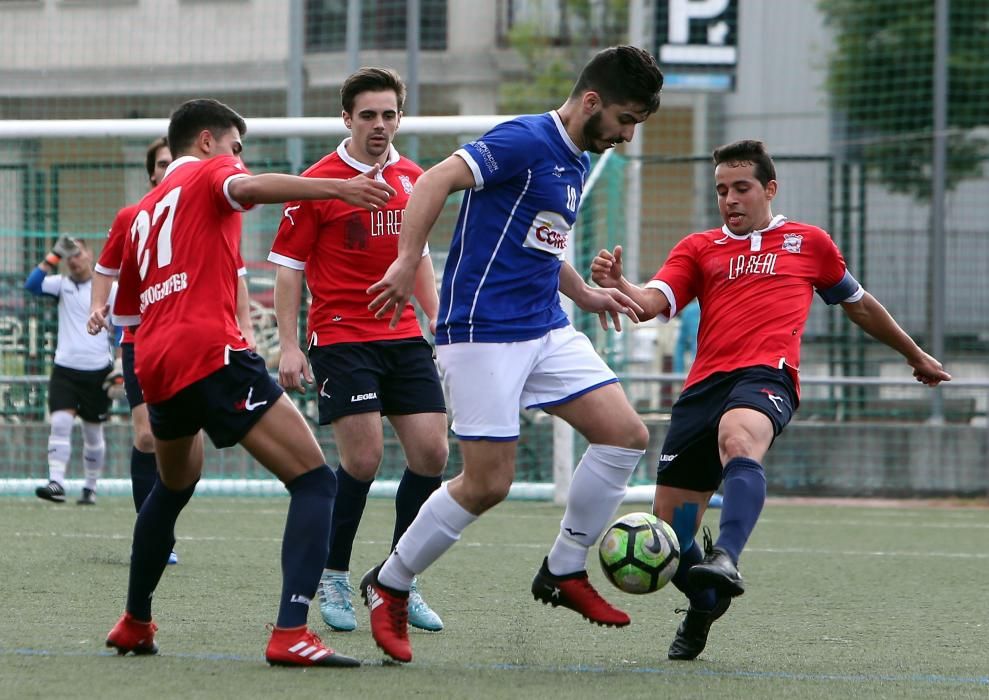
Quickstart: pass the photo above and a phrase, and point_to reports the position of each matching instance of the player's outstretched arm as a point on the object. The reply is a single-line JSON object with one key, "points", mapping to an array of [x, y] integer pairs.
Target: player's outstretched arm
{"points": [[361, 190], [393, 291], [603, 302], [607, 272], [293, 367], [872, 317]]}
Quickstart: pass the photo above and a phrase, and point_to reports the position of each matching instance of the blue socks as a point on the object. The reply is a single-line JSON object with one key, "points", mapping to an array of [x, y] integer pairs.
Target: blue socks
{"points": [[744, 488], [154, 537], [143, 474], [347, 512], [306, 543], [684, 522], [413, 490]]}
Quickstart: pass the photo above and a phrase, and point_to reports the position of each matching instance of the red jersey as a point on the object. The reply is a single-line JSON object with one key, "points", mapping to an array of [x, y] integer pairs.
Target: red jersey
{"points": [[109, 262], [178, 276], [754, 291], [344, 249]]}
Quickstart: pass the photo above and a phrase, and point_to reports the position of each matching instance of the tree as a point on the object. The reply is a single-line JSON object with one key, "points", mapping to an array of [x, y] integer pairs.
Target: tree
{"points": [[553, 55], [881, 77]]}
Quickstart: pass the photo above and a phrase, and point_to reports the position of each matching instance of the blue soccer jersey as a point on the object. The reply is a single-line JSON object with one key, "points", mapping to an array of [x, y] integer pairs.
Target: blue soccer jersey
{"points": [[502, 276]]}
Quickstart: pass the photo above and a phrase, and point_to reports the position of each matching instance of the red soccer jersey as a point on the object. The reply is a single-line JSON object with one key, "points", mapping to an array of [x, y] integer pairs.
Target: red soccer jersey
{"points": [[754, 291], [345, 249], [178, 276], [109, 262]]}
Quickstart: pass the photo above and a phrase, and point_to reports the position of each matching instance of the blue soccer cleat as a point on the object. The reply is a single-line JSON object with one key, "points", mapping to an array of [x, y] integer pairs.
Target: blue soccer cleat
{"points": [[420, 614], [335, 601], [173, 558]]}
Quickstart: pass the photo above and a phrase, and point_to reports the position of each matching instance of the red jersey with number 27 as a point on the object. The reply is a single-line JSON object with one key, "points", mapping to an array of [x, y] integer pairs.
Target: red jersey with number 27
{"points": [[755, 293], [178, 276]]}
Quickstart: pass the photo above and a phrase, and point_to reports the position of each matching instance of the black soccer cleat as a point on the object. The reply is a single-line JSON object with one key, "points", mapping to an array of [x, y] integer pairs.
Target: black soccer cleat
{"points": [[88, 498], [716, 571], [52, 491], [691, 636]]}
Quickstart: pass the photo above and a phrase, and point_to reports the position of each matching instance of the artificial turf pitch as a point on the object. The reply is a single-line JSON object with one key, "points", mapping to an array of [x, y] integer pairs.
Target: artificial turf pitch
{"points": [[842, 601]]}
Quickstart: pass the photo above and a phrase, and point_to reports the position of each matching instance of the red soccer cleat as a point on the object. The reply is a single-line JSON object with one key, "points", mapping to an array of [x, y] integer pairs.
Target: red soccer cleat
{"points": [[389, 616], [575, 591], [300, 646], [130, 635]]}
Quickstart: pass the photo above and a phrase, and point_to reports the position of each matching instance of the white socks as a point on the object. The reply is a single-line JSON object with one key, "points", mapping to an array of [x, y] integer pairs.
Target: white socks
{"points": [[597, 489], [438, 525], [59, 445], [93, 452]]}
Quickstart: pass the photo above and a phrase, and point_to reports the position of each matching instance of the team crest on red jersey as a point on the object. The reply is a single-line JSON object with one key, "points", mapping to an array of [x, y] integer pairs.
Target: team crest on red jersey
{"points": [[791, 242], [406, 183]]}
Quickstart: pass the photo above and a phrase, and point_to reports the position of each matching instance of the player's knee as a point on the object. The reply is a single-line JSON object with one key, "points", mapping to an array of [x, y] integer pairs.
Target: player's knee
{"points": [[433, 461], [638, 436], [736, 444], [144, 442], [362, 466], [488, 492]]}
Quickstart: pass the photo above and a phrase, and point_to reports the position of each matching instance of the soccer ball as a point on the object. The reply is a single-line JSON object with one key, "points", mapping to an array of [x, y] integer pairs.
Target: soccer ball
{"points": [[639, 553]]}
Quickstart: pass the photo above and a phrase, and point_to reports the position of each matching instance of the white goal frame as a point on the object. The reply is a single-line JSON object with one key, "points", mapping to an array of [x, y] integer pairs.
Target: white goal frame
{"points": [[300, 127]]}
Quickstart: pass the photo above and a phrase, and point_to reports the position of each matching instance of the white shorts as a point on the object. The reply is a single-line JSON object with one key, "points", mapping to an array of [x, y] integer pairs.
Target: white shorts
{"points": [[488, 383]]}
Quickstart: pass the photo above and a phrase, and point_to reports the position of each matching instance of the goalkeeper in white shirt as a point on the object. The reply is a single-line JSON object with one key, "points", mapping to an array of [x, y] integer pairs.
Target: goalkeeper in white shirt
{"points": [[82, 364]]}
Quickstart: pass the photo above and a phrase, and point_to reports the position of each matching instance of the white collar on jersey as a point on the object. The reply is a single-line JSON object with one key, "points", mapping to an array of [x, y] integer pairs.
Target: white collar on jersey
{"points": [[360, 167], [755, 237], [177, 163], [564, 135]]}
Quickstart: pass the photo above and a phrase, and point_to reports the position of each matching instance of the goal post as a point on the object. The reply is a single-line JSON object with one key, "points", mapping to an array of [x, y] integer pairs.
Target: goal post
{"points": [[83, 171]]}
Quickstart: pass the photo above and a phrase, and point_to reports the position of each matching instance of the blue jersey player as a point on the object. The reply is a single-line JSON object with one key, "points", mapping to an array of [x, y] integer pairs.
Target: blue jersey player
{"points": [[504, 342]]}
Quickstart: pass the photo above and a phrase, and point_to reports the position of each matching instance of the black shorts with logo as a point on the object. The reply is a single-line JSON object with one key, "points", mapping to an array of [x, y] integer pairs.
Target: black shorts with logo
{"points": [[690, 458], [226, 404], [390, 377], [79, 390], [135, 395]]}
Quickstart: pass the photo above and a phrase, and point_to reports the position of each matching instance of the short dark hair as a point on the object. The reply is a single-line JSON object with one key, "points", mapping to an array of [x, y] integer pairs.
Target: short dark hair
{"points": [[622, 74], [748, 151], [371, 80], [188, 121], [151, 157]]}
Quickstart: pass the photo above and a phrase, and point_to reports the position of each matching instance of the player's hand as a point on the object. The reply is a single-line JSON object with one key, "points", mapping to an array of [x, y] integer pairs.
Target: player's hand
{"points": [[928, 370], [393, 291], [610, 303], [293, 370], [113, 385], [65, 247], [249, 338], [432, 326], [606, 268], [365, 191], [99, 320]]}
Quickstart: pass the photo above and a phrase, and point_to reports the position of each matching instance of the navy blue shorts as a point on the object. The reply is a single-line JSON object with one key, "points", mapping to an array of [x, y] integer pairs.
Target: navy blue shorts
{"points": [[81, 391], [690, 458], [226, 404], [390, 377], [135, 395]]}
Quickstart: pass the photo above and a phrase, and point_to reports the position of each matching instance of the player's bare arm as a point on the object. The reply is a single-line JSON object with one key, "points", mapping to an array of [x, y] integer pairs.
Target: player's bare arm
{"points": [[872, 317], [293, 366], [394, 290], [268, 188], [99, 310], [607, 272], [244, 313], [603, 302], [425, 291]]}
